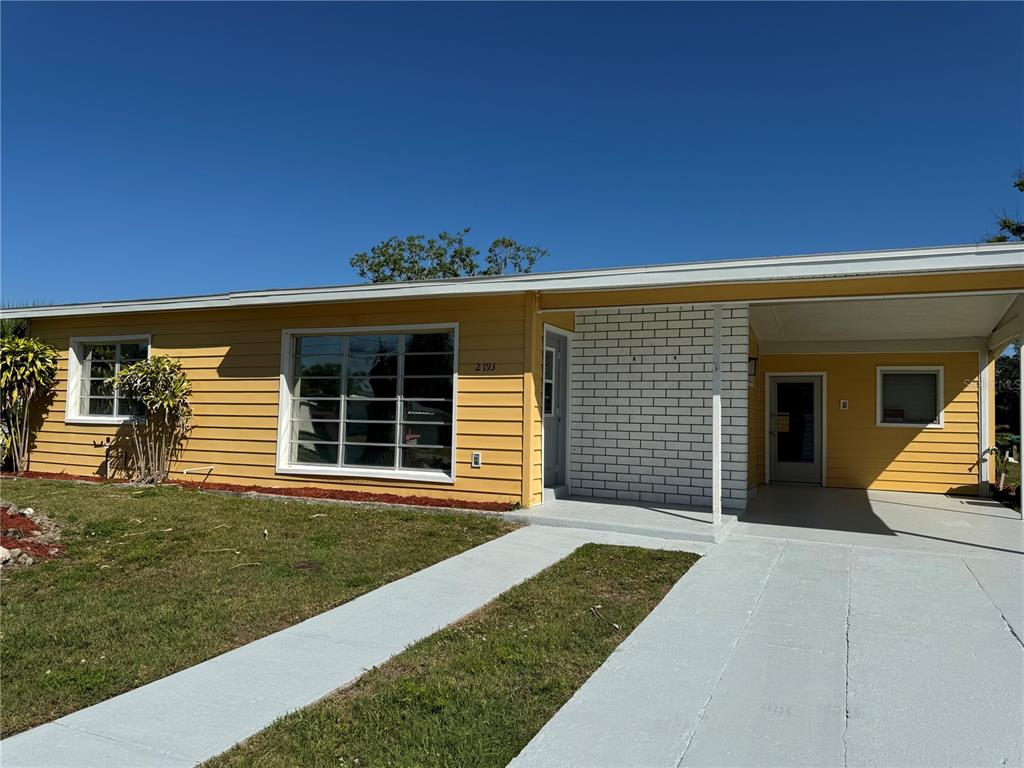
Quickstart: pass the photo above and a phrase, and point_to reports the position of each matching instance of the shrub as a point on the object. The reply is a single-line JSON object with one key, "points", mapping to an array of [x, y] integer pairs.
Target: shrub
{"points": [[1008, 471], [28, 368], [161, 388]]}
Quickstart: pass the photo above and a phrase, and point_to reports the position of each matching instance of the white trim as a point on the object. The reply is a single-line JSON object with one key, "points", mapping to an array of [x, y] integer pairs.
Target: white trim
{"points": [[72, 402], [716, 415], [284, 467], [569, 336], [802, 300], [913, 261], [768, 419], [940, 394], [868, 347], [983, 409]]}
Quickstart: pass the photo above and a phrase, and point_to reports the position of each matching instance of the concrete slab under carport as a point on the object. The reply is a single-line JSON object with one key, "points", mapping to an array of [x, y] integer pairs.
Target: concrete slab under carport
{"points": [[932, 522]]}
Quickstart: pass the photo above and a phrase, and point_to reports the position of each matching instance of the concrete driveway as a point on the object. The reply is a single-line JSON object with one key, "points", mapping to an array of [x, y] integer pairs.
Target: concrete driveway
{"points": [[780, 649]]}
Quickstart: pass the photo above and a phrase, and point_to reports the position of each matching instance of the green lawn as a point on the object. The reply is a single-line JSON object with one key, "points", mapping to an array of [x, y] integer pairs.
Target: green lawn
{"points": [[156, 580], [475, 693]]}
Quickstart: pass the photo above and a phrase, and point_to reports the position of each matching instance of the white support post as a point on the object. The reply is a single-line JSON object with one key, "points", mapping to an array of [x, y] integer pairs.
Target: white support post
{"points": [[716, 420], [983, 419], [1020, 383]]}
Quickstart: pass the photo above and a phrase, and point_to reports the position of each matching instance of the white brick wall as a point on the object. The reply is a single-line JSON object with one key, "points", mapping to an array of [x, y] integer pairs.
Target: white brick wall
{"points": [[641, 404]]}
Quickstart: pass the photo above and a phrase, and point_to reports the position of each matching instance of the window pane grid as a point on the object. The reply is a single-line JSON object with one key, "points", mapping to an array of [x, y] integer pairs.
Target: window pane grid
{"points": [[369, 371], [109, 358]]}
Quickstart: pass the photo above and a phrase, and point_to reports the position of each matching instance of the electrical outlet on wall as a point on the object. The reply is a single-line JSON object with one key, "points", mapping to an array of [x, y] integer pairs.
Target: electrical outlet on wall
{"points": [[844, 405], [476, 459]]}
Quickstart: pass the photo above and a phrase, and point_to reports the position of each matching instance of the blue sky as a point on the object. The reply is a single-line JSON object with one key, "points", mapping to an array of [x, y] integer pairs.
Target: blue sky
{"points": [[161, 149]]}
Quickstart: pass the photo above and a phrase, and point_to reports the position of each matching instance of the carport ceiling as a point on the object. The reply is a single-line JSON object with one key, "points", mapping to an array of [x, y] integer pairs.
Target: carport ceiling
{"points": [[880, 319]]}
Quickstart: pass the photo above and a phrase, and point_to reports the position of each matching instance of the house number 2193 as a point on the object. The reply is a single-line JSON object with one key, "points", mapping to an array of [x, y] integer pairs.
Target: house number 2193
{"points": [[485, 367]]}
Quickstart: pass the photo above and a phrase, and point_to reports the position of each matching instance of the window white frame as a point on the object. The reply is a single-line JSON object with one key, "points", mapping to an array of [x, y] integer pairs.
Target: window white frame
{"points": [[285, 466], [73, 404], [937, 370]]}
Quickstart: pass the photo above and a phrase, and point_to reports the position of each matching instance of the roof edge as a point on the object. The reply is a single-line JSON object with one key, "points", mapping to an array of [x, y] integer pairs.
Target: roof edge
{"points": [[907, 261]]}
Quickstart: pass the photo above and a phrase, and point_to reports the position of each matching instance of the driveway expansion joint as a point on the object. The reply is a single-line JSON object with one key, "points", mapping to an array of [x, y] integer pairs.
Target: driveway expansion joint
{"points": [[846, 664], [732, 653]]}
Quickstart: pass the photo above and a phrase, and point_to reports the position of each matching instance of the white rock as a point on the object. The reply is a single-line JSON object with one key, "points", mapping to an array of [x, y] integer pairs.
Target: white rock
{"points": [[28, 511], [5, 555]]}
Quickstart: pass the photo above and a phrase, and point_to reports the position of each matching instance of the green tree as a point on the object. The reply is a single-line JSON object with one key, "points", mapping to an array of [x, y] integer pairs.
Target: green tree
{"points": [[448, 255], [1010, 228], [12, 326]]}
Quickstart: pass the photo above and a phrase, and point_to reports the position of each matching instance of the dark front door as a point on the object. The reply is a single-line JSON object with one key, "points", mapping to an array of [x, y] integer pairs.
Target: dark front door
{"points": [[795, 435]]}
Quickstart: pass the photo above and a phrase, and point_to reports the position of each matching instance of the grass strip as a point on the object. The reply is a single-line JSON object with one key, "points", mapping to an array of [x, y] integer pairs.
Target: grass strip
{"points": [[474, 694], [155, 580]]}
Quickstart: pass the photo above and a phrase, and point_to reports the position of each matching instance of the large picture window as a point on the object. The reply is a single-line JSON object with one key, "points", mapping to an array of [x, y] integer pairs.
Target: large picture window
{"points": [[370, 401], [91, 363], [909, 397]]}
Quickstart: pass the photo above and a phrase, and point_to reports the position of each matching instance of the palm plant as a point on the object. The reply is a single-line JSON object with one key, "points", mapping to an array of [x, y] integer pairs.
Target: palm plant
{"points": [[160, 391]]}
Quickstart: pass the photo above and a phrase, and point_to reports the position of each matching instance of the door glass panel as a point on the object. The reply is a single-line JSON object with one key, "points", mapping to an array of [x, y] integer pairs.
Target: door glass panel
{"points": [[794, 422], [549, 381]]}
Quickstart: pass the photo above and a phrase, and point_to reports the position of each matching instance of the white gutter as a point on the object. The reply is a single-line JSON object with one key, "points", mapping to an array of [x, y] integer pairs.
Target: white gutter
{"points": [[948, 259]]}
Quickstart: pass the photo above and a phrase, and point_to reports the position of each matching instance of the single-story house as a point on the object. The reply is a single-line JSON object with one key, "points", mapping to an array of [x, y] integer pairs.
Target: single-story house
{"points": [[689, 383]]}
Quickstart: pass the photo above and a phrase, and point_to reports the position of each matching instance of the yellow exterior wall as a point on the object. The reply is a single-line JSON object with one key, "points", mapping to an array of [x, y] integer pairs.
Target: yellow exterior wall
{"points": [[862, 455], [755, 419], [232, 357]]}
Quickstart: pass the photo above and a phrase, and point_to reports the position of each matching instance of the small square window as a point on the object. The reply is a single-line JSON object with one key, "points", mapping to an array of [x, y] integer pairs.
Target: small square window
{"points": [[909, 397], [91, 364]]}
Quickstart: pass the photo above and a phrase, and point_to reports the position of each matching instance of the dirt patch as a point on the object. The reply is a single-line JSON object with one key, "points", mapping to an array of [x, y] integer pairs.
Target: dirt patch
{"points": [[29, 475], [27, 536]]}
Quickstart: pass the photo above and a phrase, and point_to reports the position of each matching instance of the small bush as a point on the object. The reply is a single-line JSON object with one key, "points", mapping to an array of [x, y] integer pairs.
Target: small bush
{"points": [[161, 388]]}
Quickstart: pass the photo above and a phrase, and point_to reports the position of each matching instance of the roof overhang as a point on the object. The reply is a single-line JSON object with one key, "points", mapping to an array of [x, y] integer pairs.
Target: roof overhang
{"points": [[947, 323], [916, 261]]}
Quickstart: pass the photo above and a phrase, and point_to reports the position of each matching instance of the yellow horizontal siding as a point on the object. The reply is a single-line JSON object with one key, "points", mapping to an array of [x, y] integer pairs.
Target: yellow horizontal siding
{"points": [[863, 455], [232, 357]]}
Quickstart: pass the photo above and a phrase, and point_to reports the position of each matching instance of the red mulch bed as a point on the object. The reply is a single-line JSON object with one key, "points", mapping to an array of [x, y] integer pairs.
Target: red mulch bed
{"points": [[338, 495], [18, 532], [303, 493]]}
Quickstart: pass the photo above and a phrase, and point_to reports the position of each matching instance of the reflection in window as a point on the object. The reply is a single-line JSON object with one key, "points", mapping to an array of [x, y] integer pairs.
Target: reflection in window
{"points": [[909, 397], [98, 362], [373, 400]]}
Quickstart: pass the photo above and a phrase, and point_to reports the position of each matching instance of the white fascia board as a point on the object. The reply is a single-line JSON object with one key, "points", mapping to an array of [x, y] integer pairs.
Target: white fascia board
{"points": [[969, 258]]}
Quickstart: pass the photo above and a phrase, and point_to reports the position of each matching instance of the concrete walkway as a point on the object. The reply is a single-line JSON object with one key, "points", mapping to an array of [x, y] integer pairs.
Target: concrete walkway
{"points": [[775, 652], [197, 713], [664, 521]]}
